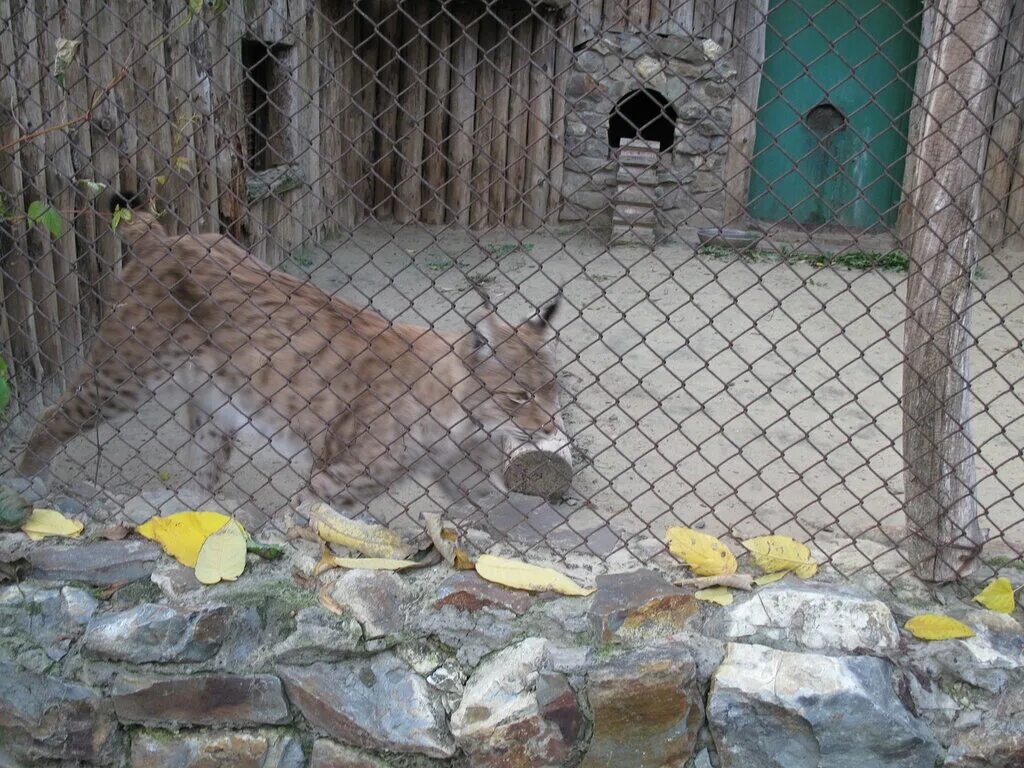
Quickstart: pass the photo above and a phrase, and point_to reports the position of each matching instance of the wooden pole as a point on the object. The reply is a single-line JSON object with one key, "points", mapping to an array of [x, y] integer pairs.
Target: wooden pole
{"points": [[944, 537]]}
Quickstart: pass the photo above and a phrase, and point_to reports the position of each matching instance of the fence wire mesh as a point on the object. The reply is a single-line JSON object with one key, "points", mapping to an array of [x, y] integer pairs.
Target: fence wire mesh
{"points": [[720, 193]]}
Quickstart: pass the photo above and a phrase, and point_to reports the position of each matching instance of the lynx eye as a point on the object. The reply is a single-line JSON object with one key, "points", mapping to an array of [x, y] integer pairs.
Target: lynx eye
{"points": [[519, 398]]}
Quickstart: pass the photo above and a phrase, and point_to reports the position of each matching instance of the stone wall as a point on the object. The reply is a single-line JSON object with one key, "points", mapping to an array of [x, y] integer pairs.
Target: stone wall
{"points": [[699, 83], [111, 654]]}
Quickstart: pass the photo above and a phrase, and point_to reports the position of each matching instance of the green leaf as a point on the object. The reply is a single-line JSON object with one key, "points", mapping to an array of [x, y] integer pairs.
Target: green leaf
{"points": [[66, 50], [43, 213], [120, 214], [161, 180], [92, 187], [195, 7], [5, 395]]}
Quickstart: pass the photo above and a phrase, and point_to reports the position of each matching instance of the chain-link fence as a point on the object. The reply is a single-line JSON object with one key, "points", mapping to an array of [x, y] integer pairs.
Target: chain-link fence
{"points": [[785, 238]]}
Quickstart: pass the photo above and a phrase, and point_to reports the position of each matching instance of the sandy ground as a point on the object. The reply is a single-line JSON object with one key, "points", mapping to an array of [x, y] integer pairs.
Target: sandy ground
{"points": [[741, 397]]}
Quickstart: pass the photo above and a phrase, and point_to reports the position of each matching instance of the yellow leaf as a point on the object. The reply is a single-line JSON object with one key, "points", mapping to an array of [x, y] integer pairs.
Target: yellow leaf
{"points": [[930, 626], [182, 535], [770, 578], [222, 556], [370, 540], [445, 541], [781, 553], [165, 476], [705, 554], [520, 575], [997, 596], [720, 595], [181, 164], [49, 522], [329, 561]]}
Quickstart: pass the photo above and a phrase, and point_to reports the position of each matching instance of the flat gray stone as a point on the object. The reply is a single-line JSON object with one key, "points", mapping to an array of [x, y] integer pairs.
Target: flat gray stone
{"points": [[211, 699], [376, 599], [467, 591], [647, 708], [100, 563], [318, 636], [46, 718], [799, 616], [376, 703], [637, 605], [778, 709], [51, 619], [158, 633], [511, 706], [258, 749]]}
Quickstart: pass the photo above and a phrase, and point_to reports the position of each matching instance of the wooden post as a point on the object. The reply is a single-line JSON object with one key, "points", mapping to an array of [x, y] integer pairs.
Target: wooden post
{"points": [[943, 535], [748, 36]]}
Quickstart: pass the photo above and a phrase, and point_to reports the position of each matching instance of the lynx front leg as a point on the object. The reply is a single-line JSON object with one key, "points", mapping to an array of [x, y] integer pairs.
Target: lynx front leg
{"points": [[210, 450], [356, 466]]}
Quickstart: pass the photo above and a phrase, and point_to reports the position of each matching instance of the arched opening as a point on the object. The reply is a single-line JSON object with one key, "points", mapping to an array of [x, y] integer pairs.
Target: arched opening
{"points": [[644, 114]]}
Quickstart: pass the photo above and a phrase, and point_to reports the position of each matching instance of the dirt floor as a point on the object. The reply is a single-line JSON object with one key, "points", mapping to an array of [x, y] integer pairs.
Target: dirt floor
{"points": [[743, 397]]}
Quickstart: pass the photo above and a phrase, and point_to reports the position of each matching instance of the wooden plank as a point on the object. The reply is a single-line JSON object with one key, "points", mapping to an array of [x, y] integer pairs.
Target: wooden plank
{"points": [[463, 98], [944, 538], [413, 113], [309, 209], [614, 15], [499, 134], [32, 112], [484, 122], [24, 362], [904, 219], [750, 25], [104, 32], [389, 66], [354, 122], [542, 76], [367, 53], [563, 68], [682, 14], [435, 164], [335, 98], [588, 20], [704, 17], [187, 212], [86, 221], [722, 23], [998, 180], [224, 32], [519, 121], [62, 191]]}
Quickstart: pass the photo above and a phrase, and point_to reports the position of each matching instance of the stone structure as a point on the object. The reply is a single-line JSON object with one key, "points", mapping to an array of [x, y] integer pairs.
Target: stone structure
{"points": [[635, 214], [112, 654], [693, 83]]}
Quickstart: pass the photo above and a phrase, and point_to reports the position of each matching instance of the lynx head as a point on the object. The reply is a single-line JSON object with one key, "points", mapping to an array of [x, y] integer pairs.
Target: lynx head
{"points": [[514, 366]]}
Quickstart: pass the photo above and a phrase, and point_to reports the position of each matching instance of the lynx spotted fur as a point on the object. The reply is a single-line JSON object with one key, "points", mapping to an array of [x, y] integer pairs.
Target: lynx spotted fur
{"points": [[252, 346]]}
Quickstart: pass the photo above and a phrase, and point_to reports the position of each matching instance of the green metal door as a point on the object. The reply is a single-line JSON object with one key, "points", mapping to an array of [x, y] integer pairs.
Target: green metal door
{"points": [[832, 115]]}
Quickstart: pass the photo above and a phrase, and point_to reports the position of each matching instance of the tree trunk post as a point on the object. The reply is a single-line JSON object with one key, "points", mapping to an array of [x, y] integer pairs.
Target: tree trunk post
{"points": [[943, 535]]}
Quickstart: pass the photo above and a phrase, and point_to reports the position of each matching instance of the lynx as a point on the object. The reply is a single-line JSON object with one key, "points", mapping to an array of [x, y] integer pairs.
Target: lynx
{"points": [[367, 398]]}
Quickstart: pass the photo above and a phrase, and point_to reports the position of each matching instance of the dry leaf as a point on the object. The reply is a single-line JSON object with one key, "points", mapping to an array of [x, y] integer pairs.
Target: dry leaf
{"points": [[705, 554], [368, 539], [997, 596], [329, 561], [930, 626], [732, 580], [182, 535], [49, 522], [770, 578], [445, 541], [781, 553], [720, 595], [329, 602], [520, 575], [222, 556]]}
